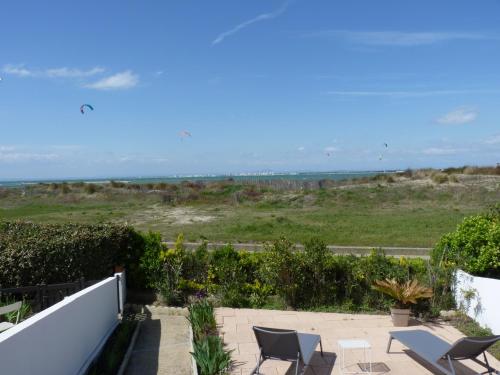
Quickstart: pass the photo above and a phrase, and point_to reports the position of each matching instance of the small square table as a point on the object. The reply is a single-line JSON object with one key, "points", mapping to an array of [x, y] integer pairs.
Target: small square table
{"points": [[354, 345]]}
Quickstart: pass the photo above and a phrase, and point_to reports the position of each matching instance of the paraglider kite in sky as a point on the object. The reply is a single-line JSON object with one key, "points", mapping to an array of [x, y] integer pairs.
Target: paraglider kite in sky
{"points": [[381, 156], [82, 108], [184, 134]]}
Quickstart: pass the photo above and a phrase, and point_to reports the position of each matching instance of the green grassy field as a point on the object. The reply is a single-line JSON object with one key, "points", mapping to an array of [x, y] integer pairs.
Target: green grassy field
{"points": [[403, 212]]}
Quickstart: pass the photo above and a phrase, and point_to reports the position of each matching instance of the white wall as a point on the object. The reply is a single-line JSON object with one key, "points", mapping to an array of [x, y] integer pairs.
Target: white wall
{"points": [[63, 339], [484, 306]]}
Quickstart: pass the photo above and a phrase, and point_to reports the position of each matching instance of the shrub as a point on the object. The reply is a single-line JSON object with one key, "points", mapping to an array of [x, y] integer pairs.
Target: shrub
{"points": [[313, 278], [439, 178], [281, 269], [65, 189], [90, 188], [33, 254], [227, 277], [474, 246], [170, 282], [117, 184], [151, 260]]}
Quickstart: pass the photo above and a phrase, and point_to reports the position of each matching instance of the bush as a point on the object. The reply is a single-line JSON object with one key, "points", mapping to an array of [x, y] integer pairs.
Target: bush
{"points": [[473, 247], [227, 277], [282, 269], [151, 260], [310, 279], [90, 188], [170, 282], [33, 254], [439, 178]]}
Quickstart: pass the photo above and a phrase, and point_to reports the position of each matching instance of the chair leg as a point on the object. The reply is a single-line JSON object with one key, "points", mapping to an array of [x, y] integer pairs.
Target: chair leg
{"points": [[389, 344], [261, 359], [486, 365], [451, 365], [321, 347]]}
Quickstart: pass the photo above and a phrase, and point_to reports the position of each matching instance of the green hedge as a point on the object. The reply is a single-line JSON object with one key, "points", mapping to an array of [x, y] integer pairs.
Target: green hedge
{"points": [[280, 277], [33, 254], [474, 246]]}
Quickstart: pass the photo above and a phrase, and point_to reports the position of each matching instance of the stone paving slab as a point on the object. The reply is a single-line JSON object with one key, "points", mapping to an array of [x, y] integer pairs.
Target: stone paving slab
{"points": [[163, 345], [235, 327]]}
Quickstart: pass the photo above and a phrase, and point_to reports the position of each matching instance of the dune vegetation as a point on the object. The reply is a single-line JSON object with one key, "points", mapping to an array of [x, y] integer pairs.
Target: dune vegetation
{"points": [[410, 208]]}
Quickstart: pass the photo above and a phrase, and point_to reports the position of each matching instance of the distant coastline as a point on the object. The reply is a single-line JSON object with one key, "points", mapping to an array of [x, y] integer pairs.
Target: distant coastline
{"points": [[303, 176]]}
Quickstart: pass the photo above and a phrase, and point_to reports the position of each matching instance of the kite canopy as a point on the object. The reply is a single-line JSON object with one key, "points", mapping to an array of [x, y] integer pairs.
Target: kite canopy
{"points": [[82, 108], [184, 134]]}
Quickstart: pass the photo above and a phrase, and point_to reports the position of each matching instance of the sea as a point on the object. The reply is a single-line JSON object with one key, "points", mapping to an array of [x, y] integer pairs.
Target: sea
{"points": [[302, 176]]}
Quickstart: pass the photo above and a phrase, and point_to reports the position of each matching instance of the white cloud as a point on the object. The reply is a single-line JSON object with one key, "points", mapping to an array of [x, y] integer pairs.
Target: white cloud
{"points": [[410, 94], [17, 70], [494, 140], [118, 81], [400, 38], [66, 147], [72, 72], [331, 149], [62, 72], [458, 116], [439, 151], [7, 148], [138, 158], [27, 156], [260, 17], [301, 148]]}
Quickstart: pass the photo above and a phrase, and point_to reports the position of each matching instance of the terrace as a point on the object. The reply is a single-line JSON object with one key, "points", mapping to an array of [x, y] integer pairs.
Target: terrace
{"points": [[236, 330]]}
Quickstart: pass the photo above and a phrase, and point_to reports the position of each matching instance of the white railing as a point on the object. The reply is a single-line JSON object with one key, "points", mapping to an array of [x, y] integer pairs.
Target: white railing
{"points": [[65, 338], [480, 298]]}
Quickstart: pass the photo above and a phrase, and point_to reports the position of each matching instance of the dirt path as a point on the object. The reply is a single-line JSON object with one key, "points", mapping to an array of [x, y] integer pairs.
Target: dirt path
{"points": [[410, 252]]}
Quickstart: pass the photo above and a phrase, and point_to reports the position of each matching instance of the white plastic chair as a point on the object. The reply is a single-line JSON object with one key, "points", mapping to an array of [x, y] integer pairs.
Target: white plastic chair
{"points": [[16, 306]]}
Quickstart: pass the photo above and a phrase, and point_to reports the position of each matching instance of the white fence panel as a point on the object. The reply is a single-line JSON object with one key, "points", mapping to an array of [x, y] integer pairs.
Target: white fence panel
{"points": [[480, 297], [63, 339]]}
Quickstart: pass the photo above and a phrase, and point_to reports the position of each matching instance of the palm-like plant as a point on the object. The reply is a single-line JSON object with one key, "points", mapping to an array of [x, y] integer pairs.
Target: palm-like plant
{"points": [[404, 293]]}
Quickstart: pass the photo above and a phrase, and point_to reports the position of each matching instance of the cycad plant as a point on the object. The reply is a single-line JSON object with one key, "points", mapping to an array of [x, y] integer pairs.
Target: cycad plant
{"points": [[404, 293]]}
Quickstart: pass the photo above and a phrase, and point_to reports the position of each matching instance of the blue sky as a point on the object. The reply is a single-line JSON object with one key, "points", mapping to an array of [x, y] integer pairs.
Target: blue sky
{"points": [[261, 85]]}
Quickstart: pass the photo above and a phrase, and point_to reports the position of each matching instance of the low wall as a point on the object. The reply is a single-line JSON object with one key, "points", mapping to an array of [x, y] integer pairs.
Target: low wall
{"points": [[66, 337], [480, 297]]}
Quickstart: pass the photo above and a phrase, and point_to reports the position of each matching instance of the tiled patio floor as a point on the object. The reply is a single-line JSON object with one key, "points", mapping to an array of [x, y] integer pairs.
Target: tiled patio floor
{"points": [[236, 330]]}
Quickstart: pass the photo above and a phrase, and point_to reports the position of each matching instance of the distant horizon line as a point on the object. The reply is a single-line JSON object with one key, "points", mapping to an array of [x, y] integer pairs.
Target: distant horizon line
{"points": [[199, 175]]}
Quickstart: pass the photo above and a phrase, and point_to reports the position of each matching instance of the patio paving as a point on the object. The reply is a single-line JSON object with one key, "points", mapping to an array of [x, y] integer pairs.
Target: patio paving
{"points": [[163, 345], [236, 331]]}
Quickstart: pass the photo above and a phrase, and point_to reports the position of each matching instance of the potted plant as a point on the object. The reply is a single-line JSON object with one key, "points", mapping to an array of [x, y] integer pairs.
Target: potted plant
{"points": [[405, 294]]}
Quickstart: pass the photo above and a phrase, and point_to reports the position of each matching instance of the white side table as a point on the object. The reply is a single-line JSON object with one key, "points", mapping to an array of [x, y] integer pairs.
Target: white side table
{"points": [[354, 345]]}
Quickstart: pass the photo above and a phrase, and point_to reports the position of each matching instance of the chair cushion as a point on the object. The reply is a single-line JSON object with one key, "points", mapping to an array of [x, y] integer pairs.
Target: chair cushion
{"points": [[308, 343], [425, 344]]}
